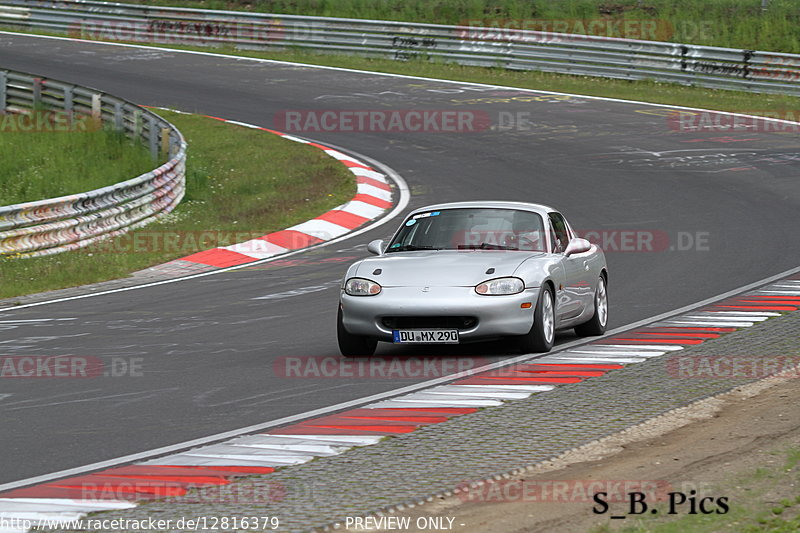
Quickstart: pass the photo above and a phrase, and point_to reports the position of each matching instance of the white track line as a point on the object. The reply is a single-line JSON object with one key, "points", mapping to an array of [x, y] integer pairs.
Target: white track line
{"points": [[626, 353]]}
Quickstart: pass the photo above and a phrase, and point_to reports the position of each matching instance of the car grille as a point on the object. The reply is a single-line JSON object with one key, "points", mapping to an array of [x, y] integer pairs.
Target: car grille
{"points": [[432, 322]]}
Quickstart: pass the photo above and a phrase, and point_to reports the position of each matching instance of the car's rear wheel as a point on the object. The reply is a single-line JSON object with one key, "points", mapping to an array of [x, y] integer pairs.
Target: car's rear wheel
{"points": [[543, 331], [597, 324], [353, 345]]}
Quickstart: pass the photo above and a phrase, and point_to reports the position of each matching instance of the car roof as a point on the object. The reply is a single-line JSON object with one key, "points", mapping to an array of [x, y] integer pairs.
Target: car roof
{"points": [[536, 208]]}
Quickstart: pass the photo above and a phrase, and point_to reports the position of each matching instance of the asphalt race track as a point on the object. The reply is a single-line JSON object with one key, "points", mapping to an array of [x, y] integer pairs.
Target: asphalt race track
{"points": [[210, 357]]}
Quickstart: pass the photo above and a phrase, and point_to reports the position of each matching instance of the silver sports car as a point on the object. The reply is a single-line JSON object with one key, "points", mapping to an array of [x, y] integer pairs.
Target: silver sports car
{"points": [[468, 271]]}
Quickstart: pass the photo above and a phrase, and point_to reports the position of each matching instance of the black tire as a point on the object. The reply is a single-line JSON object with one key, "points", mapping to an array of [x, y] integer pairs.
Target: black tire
{"points": [[597, 324], [537, 338], [353, 345]]}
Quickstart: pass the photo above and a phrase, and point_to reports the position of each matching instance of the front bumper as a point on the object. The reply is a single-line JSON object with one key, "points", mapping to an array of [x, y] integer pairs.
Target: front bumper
{"points": [[496, 315]]}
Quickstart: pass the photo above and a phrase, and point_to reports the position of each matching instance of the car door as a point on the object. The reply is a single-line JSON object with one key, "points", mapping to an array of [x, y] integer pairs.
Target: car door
{"points": [[571, 297], [592, 263]]}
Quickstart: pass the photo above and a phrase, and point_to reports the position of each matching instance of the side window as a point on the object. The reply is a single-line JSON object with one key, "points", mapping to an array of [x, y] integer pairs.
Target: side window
{"points": [[558, 233]]}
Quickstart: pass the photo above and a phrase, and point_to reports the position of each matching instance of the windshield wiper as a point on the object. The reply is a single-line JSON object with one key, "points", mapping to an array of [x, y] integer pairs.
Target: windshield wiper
{"points": [[411, 248], [485, 246]]}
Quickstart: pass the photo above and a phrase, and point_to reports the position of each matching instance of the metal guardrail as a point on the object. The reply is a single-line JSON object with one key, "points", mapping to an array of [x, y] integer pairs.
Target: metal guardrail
{"points": [[70, 222], [724, 68]]}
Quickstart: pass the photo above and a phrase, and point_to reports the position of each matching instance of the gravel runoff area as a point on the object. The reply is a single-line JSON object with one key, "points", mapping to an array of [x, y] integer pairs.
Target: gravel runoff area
{"points": [[413, 468]]}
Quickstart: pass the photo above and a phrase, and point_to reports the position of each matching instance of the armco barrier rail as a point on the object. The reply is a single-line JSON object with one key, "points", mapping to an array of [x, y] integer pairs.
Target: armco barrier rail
{"points": [[706, 66], [69, 222]]}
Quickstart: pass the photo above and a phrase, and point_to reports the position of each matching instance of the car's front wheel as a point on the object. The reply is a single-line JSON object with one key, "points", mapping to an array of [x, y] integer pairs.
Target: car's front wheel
{"points": [[353, 345], [597, 324], [543, 331]]}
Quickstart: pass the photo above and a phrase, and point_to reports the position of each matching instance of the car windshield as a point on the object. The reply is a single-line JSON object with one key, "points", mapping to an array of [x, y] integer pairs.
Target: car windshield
{"points": [[471, 229]]}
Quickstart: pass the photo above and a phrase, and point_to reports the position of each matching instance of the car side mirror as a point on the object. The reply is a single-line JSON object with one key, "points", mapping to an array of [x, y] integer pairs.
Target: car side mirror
{"points": [[376, 247], [577, 246]]}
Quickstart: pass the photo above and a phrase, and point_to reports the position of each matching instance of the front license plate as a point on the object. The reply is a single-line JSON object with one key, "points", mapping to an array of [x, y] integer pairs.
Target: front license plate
{"points": [[425, 336]]}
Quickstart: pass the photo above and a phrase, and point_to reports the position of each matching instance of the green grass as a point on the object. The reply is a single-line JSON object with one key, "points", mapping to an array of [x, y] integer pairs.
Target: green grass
{"points": [[241, 183], [46, 164], [729, 23]]}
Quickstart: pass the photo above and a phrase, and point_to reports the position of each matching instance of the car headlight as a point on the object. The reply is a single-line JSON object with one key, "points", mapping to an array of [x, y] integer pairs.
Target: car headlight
{"points": [[361, 287], [494, 287]]}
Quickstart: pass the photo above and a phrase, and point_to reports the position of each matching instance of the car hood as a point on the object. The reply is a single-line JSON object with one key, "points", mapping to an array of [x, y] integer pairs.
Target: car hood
{"points": [[441, 268]]}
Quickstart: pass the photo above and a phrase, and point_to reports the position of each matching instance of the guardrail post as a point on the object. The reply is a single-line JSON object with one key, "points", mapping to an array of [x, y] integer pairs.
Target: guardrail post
{"points": [[3, 83], [68, 107], [37, 91], [97, 110], [153, 134], [174, 145], [118, 118], [165, 140], [137, 125], [68, 99]]}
